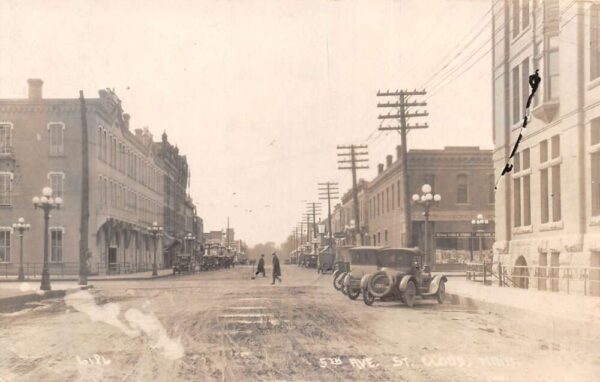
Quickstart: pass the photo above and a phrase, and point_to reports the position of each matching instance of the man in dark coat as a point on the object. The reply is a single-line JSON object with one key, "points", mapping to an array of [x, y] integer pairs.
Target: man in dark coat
{"points": [[276, 269], [261, 266]]}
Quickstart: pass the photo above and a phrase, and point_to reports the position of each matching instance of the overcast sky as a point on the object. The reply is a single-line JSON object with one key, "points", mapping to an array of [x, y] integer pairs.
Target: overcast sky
{"points": [[258, 94]]}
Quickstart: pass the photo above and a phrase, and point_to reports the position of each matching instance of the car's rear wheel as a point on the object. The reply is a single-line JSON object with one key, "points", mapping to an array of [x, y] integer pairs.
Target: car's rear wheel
{"points": [[409, 294], [441, 293], [353, 293], [368, 298]]}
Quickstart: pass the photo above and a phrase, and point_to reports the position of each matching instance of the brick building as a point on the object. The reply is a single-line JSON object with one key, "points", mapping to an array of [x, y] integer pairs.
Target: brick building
{"points": [[40, 145]]}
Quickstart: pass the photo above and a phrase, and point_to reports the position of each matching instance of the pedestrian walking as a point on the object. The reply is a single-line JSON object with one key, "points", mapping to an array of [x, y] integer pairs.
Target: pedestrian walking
{"points": [[276, 269], [261, 266]]}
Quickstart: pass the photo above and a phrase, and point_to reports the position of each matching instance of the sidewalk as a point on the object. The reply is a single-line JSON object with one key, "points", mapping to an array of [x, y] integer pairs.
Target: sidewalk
{"points": [[120, 277], [546, 304], [13, 296]]}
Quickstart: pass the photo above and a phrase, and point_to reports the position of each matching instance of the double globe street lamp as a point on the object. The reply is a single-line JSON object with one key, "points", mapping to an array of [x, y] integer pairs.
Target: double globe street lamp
{"points": [[47, 203], [21, 227], [427, 200], [156, 231]]}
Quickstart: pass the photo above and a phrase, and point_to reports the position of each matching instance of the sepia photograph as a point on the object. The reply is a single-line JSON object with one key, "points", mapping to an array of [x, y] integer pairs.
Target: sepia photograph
{"points": [[300, 191]]}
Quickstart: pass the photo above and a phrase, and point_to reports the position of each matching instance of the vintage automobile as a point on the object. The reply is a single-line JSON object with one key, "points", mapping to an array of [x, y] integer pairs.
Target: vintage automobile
{"points": [[341, 265], [402, 276], [364, 260], [326, 260], [311, 260], [183, 263]]}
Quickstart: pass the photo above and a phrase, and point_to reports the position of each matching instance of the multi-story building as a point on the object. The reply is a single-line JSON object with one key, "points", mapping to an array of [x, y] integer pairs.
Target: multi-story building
{"points": [[344, 213], [464, 178], [542, 231], [41, 145], [175, 181]]}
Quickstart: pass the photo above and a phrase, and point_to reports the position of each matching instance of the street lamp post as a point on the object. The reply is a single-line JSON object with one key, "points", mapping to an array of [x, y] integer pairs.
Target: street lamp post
{"points": [[156, 231], [47, 203], [479, 222], [21, 227], [427, 199]]}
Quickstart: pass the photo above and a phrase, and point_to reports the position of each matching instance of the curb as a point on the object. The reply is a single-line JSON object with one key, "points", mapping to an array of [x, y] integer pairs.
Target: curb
{"points": [[10, 304], [91, 278]]}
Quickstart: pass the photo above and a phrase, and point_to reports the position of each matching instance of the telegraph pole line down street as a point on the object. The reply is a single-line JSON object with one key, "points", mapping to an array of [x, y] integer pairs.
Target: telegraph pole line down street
{"points": [[351, 158], [328, 191], [402, 115]]}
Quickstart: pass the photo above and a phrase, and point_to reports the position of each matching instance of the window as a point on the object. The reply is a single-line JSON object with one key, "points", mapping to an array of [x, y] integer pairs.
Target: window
{"points": [[516, 17], [4, 245], [56, 244], [100, 144], [387, 199], [517, 202], [393, 196], [525, 13], [550, 181], [399, 192], [57, 183], [5, 185], [524, 82], [5, 142], [552, 84], [491, 189], [594, 41], [516, 95], [545, 196], [386, 236], [462, 189], [56, 138]]}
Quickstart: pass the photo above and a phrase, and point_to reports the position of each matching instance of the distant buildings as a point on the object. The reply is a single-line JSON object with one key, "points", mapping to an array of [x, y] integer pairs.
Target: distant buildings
{"points": [[463, 176], [548, 208], [133, 182]]}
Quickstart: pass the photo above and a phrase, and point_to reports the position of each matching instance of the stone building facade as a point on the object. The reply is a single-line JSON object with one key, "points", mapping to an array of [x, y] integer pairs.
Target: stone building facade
{"points": [[41, 145], [548, 208]]}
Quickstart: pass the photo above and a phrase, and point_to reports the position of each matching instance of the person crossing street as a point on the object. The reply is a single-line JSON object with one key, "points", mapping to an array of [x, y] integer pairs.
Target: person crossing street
{"points": [[276, 269], [261, 266]]}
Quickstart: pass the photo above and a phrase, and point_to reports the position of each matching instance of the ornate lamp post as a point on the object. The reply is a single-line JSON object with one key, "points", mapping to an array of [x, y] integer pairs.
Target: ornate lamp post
{"points": [[427, 200], [47, 204], [156, 231], [21, 227], [478, 223]]}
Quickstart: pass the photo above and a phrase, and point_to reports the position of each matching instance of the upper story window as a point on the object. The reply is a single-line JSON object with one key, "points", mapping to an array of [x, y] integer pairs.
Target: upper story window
{"points": [[5, 137], [57, 180], [520, 89], [594, 41], [5, 185], [462, 189], [491, 189], [520, 16], [56, 130]]}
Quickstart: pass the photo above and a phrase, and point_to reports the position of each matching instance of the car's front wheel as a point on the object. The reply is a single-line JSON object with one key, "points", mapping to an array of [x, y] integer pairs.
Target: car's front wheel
{"points": [[409, 294], [368, 298], [441, 293], [337, 281], [353, 293]]}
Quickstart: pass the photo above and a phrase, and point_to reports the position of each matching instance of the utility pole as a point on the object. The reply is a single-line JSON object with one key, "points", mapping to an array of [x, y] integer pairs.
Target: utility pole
{"points": [[402, 115], [351, 157], [85, 195], [314, 208], [327, 191]]}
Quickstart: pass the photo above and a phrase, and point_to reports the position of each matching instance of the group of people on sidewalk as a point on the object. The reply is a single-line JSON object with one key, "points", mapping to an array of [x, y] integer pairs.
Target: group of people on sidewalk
{"points": [[276, 268]]}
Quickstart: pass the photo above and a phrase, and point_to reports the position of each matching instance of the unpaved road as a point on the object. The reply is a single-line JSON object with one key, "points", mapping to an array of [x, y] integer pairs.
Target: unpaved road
{"points": [[223, 326]]}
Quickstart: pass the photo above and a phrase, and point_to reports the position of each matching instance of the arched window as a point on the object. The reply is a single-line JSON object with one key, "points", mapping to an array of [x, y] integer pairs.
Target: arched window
{"points": [[462, 189]]}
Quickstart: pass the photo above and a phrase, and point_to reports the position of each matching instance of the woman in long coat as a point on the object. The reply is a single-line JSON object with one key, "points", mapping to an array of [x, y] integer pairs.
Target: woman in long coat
{"points": [[276, 269]]}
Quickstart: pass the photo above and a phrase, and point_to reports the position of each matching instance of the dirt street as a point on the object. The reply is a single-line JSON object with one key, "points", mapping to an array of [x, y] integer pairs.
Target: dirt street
{"points": [[224, 326]]}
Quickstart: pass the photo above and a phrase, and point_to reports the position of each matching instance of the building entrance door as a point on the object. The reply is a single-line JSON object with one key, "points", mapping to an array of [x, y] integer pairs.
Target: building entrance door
{"points": [[112, 259]]}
